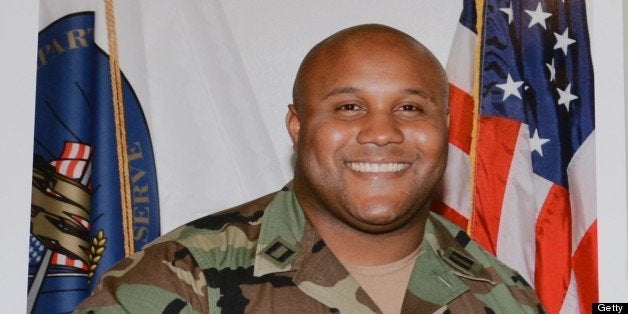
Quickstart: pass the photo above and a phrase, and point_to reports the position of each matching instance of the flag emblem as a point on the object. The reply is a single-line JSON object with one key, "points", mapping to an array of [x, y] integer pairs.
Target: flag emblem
{"points": [[76, 229]]}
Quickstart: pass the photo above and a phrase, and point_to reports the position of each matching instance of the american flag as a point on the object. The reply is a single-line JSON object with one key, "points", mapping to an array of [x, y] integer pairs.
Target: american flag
{"points": [[521, 172]]}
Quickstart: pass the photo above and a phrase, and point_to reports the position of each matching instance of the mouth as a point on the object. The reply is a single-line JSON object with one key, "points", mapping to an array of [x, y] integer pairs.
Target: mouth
{"points": [[377, 167]]}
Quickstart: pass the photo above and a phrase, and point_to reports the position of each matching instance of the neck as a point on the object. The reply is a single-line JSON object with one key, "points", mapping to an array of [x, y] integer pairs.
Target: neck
{"points": [[359, 248]]}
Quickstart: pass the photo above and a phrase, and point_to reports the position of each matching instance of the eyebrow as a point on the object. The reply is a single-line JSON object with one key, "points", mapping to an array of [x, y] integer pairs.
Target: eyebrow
{"points": [[351, 89], [341, 90], [418, 92]]}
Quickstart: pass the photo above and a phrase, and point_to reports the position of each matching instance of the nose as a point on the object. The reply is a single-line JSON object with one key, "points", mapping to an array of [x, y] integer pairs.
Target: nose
{"points": [[381, 129]]}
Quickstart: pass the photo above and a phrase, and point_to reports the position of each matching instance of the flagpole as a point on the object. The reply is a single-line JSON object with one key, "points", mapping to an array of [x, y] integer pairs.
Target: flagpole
{"points": [[479, 26], [33, 292], [120, 126]]}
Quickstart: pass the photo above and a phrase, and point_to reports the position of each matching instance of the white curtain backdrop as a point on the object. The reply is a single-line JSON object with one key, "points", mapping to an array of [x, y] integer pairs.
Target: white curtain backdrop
{"points": [[212, 149]]}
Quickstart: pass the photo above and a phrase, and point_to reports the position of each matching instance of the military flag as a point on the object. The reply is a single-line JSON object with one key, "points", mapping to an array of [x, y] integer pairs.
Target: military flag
{"points": [[181, 78], [521, 172], [94, 191]]}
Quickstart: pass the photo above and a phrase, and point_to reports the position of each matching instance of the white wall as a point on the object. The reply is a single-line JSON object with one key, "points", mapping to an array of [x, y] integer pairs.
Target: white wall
{"points": [[608, 42], [18, 38]]}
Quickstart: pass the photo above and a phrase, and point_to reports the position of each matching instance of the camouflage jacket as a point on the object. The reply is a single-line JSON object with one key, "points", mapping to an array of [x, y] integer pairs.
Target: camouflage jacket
{"points": [[265, 257]]}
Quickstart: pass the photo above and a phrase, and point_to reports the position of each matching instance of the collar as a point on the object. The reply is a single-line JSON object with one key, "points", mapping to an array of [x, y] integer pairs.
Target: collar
{"points": [[433, 279], [288, 242], [281, 230]]}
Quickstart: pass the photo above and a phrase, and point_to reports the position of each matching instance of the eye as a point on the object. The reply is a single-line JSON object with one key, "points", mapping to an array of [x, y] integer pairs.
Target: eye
{"points": [[410, 110], [410, 107], [349, 107], [349, 110]]}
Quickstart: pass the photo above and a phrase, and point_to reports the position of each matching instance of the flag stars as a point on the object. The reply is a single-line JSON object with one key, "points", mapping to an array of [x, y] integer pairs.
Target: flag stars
{"points": [[508, 12], [510, 87], [36, 249], [538, 16], [563, 41], [536, 143], [552, 70], [565, 96]]}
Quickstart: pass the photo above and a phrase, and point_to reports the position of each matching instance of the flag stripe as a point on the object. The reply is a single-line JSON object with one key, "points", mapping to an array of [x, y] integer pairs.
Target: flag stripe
{"points": [[460, 118], [450, 213], [63, 260], [553, 249], [67, 150], [582, 187], [74, 150], [79, 166], [571, 304], [586, 269], [455, 191], [492, 168], [461, 58], [524, 196]]}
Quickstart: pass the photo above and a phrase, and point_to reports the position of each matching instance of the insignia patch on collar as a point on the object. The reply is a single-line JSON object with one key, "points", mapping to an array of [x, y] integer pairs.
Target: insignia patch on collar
{"points": [[280, 252], [463, 262]]}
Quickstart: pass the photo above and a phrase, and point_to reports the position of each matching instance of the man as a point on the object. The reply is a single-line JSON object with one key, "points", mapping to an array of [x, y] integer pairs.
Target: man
{"points": [[353, 233]]}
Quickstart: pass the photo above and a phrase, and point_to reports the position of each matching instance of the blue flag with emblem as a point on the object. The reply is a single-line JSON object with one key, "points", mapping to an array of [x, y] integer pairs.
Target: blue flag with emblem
{"points": [[77, 227]]}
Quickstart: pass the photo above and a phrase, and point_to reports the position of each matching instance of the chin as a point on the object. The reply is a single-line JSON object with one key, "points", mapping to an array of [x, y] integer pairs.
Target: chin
{"points": [[377, 228], [377, 222]]}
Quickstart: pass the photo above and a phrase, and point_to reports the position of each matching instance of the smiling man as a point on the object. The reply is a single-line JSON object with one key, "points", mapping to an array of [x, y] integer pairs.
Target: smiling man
{"points": [[353, 233]]}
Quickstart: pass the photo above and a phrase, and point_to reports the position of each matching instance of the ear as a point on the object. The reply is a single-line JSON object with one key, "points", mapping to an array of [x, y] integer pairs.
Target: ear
{"points": [[293, 124]]}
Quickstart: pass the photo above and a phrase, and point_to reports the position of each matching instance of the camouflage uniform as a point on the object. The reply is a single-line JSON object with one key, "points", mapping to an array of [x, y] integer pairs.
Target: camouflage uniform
{"points": [[265, 257]]}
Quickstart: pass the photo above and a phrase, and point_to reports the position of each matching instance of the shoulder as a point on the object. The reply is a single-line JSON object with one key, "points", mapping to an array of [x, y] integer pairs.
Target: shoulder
{"points": [[145, 282], [508, 289], [216, 239], [479, 254], [172, 271], [246, 217]]}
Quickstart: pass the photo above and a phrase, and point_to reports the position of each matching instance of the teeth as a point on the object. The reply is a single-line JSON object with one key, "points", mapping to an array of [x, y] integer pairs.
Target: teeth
{"points": [[374, 167]]}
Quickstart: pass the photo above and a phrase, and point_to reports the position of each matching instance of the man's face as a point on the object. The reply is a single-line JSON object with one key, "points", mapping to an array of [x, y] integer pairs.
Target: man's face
{"points": [[371, 138]]}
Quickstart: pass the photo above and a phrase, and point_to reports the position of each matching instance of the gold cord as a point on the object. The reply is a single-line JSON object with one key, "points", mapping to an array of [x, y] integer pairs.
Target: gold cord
{"points": [[477, 68], [120, 124]]}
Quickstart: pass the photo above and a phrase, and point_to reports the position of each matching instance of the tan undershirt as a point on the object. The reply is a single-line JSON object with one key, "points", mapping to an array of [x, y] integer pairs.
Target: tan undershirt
{"points": [[385, 284]]}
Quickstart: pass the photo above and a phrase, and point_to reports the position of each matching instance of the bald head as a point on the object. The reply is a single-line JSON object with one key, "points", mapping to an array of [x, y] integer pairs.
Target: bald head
{"points": [[365, 38], [369, 128]]}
